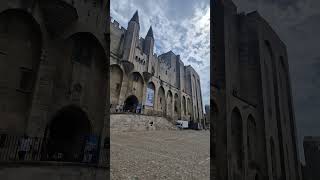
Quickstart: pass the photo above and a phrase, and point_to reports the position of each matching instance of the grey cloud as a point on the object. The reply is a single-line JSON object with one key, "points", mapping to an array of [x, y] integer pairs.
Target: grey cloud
{"points": [[171, 22], [195, 61]]}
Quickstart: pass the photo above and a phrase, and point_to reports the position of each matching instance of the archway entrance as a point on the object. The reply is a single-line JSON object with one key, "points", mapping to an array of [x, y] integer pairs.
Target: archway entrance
{"points": [[67, 133], [131, 103]]}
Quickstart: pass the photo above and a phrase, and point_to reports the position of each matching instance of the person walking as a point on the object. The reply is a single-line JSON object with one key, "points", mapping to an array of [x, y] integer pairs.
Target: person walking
{"points": [[24, 147]]}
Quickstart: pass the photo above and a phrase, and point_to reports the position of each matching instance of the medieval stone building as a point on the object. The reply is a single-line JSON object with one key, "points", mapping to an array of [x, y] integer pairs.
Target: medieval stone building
{"points": [[53, 88], [252, 100], [160, 85]]}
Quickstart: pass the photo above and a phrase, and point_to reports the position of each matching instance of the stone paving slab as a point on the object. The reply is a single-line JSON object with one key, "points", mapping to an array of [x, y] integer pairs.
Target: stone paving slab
{"points": [[152, 155]]}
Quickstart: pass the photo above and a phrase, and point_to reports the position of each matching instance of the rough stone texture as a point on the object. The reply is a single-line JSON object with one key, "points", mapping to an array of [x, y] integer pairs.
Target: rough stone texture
{"points": [[134, 66], [135, 122], [44, 70], [252, 101], [159, 155], [52, 172]]}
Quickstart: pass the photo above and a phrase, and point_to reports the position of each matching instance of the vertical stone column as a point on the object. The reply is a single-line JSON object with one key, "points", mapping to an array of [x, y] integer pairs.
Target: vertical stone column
{"points": [[124, 88], [155, 104], [42, 96], [144, 92]]}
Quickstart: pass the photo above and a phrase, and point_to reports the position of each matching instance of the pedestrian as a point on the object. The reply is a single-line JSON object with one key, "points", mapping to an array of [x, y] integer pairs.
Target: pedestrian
{"points": [[117, 108], [138, 109], [24, 147]]}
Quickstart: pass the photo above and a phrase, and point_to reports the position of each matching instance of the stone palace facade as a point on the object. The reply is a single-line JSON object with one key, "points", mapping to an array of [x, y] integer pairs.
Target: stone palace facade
{"points": [[253, 113], [159, 85], [54, 89]]}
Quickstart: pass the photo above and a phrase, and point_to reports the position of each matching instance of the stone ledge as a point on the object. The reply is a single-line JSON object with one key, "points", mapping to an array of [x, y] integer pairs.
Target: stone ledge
{"points": [[49, 163]]}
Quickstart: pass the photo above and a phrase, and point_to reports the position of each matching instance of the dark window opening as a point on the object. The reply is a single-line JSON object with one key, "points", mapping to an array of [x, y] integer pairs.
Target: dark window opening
{"points": [[118, 86], [135, 77], [26, 80], [82, 52], [106, 143]]}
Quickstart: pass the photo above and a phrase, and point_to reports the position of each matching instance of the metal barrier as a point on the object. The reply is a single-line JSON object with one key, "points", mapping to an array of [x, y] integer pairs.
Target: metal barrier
{"points": [[21, 148]]}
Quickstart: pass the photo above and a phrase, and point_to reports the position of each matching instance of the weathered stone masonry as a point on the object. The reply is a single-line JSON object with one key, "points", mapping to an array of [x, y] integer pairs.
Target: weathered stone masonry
{"points": [[52, 54], [253, 112]]}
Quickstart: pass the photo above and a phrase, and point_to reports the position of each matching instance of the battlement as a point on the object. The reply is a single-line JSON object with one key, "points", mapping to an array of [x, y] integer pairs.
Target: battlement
{"points": [[155, 55], [116, 24]]}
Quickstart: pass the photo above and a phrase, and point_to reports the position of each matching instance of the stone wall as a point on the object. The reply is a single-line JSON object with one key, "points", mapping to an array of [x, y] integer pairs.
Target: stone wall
{"points": [[137, 122], [45, 170]]}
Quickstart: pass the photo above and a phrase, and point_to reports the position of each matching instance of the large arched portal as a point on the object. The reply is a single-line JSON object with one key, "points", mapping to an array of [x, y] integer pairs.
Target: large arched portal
{"points": [[20, 51], [131, 103], [81, 75], [116, 77], [67, 132], [136, 84]]}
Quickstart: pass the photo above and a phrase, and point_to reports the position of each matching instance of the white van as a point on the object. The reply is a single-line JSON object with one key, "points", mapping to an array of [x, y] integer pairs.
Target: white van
{"points": [[182, 124]]}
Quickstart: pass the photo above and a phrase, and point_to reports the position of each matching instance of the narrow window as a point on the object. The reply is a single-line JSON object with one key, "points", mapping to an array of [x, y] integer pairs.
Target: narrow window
{"points": [[26, 80]]}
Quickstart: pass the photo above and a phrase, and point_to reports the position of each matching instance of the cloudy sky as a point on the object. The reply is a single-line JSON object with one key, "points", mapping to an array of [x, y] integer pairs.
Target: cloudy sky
{"points": [[298, 24], [182, 26]]}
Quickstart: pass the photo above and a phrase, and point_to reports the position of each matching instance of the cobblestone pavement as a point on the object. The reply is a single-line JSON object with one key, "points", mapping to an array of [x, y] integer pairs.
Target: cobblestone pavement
{"points": [[152, 155]]}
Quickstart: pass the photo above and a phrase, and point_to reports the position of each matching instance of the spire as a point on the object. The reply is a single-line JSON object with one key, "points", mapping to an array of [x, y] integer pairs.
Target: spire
{"points": [[135, 17], [150, 32]]}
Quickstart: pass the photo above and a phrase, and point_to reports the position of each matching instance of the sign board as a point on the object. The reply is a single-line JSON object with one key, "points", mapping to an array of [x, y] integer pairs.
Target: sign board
{"points": [[150, 97]]}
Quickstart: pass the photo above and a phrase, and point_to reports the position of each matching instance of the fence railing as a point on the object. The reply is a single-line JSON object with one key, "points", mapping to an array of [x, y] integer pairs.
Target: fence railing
{"points": [[21, 148]]}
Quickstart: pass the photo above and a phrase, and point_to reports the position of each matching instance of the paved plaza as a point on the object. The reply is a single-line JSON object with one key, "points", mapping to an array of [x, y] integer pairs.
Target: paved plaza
{"points": [[151, 155]]}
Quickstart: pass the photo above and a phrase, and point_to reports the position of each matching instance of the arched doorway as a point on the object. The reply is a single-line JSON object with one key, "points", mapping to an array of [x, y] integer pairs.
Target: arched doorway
{"points": [[67, 134], [131, 103], [20, 52], [161, 100], [81, 67], [136, 84], [116, 76]]}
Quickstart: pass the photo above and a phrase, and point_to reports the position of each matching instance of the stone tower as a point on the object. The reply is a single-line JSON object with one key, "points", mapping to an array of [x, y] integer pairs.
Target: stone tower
{"points": [[131, 37]]}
